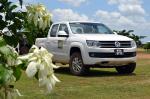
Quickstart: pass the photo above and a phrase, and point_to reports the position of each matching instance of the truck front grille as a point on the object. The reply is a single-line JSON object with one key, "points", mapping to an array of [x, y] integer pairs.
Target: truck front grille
{"points": [[111, 44], [111, 55]]}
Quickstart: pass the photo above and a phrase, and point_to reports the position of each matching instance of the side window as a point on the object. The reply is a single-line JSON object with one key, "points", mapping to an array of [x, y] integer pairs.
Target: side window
{"points": [[63, 27], [54, 30]]}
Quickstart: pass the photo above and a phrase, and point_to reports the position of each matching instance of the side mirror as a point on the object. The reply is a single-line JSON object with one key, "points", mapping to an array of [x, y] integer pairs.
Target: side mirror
{"points": [[115, 33], [62, 34]]}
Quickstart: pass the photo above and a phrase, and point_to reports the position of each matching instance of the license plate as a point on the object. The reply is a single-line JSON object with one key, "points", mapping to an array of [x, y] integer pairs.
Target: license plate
{"points": [[119, 52]]}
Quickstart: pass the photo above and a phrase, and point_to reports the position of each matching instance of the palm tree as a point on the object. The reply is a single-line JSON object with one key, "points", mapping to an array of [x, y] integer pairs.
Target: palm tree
{"points": [[129, 34]]}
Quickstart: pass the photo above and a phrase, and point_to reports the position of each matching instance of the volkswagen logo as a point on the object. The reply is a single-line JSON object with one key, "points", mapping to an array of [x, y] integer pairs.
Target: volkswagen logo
{"points": [[117, 44]]}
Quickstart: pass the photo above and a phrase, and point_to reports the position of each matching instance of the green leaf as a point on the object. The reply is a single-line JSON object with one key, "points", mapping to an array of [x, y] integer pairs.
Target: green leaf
{"points": [[20, 15], [1, 17], [17, 73], [17, 23], [30, 37], [5, 74], [9, 16], [7, 6], [2, 24], [1, 7], [23, 66], [2, 41], [5, 51], [12, 7], [11, 40], [3, 1]]}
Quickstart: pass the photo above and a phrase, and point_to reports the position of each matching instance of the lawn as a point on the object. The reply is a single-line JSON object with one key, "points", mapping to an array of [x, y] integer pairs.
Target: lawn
{"points": [[99, 84]]}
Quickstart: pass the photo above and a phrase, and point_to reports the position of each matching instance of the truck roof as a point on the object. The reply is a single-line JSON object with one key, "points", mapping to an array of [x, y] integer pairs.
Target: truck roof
{"points": [[75, 22]]}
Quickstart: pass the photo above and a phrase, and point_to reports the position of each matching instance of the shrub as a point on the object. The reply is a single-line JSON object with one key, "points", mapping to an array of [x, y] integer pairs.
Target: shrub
{"points": [[147, 46]]}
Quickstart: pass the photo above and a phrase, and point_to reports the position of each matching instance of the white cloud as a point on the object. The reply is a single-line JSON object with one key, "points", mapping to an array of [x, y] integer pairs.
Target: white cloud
{"points": [[68, 15], [30, 1], [116, 21], [111, 2], [129, 7], [75, 3], [130, 15], [113, 18]]}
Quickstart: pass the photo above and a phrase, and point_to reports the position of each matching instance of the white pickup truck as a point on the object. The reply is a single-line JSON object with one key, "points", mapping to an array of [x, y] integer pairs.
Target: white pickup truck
{"points": [[89, 44]]}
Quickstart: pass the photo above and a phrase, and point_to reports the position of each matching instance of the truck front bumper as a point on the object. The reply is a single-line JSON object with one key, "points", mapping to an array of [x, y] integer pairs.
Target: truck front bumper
{"points": [[111, 61], [107, 57]]}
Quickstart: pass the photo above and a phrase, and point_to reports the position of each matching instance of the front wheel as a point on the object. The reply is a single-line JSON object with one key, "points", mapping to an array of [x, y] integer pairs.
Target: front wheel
{"points": [[76, 64], [127, 69]]}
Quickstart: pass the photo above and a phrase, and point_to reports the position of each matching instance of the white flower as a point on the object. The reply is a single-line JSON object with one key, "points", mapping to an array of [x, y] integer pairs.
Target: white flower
{"points": [[38, 15], [25, 57], [18, 62], [31, 69], [41, 23], [40, 60], [49, 82]]}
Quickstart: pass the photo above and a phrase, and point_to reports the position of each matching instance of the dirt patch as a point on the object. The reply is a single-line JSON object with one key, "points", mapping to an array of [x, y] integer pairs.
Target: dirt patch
{"points": [[143, 56]]}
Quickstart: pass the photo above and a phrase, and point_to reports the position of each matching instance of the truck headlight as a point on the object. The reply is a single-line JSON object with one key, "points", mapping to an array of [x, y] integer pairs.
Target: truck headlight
{"points": [[92, 43], [133, 44]]}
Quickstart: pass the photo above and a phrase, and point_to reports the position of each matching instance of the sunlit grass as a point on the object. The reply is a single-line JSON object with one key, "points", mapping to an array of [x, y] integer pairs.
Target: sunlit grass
{"points": [[99, 84]]}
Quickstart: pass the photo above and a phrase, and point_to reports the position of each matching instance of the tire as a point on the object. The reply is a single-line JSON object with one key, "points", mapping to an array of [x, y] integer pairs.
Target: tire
{"points": [[127, 69], [76, 64]]}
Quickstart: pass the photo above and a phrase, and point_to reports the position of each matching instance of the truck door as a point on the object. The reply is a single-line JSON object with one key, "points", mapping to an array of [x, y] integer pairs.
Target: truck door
{"points": [[58, 45], [51, 42], [62, 44]]}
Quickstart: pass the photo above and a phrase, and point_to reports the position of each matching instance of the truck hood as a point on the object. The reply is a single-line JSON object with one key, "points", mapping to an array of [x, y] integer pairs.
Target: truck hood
{"points": [[104, 37]]}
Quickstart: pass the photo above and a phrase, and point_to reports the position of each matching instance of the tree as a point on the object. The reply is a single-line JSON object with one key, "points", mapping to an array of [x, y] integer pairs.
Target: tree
{"points": [[129, 34], [37, 63], [11, 22], [147, 46], [36, 25], [37, 22]]}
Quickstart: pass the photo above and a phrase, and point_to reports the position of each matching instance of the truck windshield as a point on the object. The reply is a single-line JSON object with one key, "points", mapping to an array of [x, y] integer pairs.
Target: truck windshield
{"points": [[89, 28]]}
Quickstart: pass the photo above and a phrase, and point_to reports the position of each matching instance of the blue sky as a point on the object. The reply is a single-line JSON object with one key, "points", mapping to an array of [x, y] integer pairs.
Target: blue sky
{"points": [[117, 14]]}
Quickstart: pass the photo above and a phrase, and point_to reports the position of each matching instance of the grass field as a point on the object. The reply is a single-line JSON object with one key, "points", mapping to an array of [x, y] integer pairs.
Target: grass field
{"points": [[99, 84]]}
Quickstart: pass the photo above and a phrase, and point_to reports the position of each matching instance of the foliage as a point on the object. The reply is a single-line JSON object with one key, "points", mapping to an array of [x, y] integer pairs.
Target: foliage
{"points": [[11, 22], [37, 22], [146, 46], [129, 34], [38, 62], [9, 69]]}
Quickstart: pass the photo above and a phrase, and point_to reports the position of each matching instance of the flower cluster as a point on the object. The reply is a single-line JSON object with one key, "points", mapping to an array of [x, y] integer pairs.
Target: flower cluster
{"points": [[40, 64], [39, 16]]}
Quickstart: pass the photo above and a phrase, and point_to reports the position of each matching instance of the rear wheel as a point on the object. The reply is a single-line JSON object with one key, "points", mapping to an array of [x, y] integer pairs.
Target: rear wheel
{"points": [[76, 64], [127, 69]]}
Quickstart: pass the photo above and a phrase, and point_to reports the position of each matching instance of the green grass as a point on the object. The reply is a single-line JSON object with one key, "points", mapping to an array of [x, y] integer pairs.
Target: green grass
{"points": [[99, 84]]}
